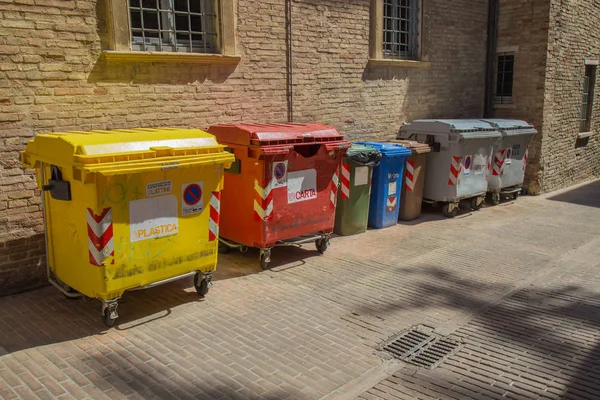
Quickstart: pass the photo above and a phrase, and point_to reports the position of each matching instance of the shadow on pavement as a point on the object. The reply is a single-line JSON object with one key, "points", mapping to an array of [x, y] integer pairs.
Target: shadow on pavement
{"points": [[587, 195], [554, 330]]}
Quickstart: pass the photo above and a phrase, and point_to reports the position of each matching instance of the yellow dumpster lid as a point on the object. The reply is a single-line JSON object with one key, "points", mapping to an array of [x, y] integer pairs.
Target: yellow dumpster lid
{"points": [[123, 151]]}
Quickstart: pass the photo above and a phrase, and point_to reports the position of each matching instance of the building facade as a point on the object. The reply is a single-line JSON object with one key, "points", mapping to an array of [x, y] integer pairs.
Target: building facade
{"points": [[363, 66], [546, 68]]}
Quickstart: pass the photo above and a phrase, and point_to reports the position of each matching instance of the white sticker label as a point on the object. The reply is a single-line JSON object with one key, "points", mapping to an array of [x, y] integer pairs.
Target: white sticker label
{"points": [[361, 176], [191, 198], [158, 188], [508, 156], [479, 164], [302, 185], [279, 174], [153, 218], [392, 189]]}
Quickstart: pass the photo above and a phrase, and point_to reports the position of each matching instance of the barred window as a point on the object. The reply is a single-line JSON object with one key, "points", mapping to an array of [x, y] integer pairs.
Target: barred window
{"points": [[173, 25], [400, 29], [589, 81], [505, 67]]}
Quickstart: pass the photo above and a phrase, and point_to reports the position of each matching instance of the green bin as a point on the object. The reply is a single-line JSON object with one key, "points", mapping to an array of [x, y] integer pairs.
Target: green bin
{"points": [[352, 211]]}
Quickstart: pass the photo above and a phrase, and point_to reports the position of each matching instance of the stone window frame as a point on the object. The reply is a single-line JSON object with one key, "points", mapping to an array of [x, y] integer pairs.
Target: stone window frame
{"points": [[119, 38], [512, 50], [376, 54], [591, 74]]}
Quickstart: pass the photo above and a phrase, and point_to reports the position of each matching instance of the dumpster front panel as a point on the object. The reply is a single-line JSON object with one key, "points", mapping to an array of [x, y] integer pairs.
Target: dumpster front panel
{"points": [[509, 161], [278, 197], [139, 229]]}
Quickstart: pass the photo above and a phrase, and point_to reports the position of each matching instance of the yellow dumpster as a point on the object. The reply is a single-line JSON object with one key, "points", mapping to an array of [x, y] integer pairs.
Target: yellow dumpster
{"points": [[128, 209]]}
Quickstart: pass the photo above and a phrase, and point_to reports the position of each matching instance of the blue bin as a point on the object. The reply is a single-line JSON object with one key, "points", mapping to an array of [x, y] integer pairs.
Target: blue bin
{"points": [[387, 184]]}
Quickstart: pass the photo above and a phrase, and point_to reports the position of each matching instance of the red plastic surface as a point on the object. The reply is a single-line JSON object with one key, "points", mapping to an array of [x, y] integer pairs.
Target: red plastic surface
{"points": [[257, 210], [274, 134]]}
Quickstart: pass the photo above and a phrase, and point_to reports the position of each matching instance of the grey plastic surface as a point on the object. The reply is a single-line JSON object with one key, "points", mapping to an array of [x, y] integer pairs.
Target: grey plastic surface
{"points": [[456, 138], [516, 136]]}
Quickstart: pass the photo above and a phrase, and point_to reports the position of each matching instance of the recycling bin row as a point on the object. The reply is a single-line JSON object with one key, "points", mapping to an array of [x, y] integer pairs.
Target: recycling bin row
{"points": [[135, 208]]}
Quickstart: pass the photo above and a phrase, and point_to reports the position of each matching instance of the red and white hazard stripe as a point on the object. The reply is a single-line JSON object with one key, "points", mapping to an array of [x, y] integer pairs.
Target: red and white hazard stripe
{"points": [[263, 200], [215, 216], [498, 163], [409, 178], [455, 168], [335, 181], [391, 203], [489, 165], [100, 236], [345, 181]]}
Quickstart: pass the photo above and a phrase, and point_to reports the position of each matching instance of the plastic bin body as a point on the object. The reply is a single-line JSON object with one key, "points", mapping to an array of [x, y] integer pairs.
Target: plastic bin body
{"points": [[509, 157], [283, 182], [387, 184], [411, 200], [127, 223], [354, 196], [459, 163]]}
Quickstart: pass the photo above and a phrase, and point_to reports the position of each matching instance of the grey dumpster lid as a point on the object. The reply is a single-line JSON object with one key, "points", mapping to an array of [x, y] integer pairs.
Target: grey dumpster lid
{"points": [[466, 128], [512, 127]]}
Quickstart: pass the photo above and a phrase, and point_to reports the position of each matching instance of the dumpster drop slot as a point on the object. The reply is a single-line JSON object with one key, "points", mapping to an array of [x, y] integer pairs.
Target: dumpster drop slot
{"points": [[307, 151]]}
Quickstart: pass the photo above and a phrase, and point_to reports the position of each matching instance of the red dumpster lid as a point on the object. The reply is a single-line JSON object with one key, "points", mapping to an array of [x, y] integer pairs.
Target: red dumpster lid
{"points": [[255, 134]]}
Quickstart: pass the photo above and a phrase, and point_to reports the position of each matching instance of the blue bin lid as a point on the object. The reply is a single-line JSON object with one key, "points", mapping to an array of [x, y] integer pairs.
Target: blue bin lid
{"points": [[389, 149]]}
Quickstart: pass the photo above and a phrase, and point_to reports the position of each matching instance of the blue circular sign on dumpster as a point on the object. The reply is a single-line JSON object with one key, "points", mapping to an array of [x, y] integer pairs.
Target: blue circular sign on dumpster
{"points": [[280, 171], [468, 162], [192, 194]]}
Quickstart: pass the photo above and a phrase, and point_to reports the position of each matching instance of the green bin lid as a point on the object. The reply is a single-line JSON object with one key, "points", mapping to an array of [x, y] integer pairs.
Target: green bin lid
{"points": [[360, 148]]}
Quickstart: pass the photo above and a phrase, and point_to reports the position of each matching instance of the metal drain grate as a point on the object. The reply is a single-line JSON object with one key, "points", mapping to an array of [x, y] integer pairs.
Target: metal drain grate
{"points": [[423, 349]]}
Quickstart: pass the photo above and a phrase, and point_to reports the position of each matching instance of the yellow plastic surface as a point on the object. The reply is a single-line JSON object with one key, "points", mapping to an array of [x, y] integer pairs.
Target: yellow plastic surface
{"points": [[136, 179]]}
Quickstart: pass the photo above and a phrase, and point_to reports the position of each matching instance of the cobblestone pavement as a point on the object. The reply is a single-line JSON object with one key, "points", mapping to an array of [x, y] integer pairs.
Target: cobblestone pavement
{"points": [[516, 283]]}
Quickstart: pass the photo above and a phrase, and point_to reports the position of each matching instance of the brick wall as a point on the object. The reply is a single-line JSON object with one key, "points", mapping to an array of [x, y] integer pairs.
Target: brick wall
{"points": [[523, 26], [574, 37], [53, 78], [554, 39]]}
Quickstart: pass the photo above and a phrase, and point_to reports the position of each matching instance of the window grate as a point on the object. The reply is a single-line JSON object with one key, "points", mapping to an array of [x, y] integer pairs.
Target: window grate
{"points": [[173, 25], [425, 350], [400, 29], [589, 81], [505, 67]]}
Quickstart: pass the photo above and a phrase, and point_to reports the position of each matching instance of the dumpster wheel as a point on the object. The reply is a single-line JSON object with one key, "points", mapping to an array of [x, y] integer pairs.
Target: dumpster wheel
{"points": [[201, 283], [450, 210], [476, 203], [265, 258], [515, 195], [495, 198], [322, 244], [109, 313]]}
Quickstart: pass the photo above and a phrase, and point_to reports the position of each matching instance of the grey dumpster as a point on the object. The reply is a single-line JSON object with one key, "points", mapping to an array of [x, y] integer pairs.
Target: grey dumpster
{"points": [[509, 157], [457, 168]]}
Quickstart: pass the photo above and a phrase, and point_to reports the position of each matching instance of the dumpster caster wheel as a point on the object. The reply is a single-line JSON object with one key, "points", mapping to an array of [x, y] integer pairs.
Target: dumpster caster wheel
{"points": [[243, 249], [476, 203], [515, 195], [495, 199], [109, 313], [450, 210], [201, 283], [265, 258], [322, 244]]}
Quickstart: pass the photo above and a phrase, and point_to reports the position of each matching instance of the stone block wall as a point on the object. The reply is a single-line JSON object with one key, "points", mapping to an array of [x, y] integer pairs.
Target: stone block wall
{"points": [[523, 30], [574, 38], [53, 78]]}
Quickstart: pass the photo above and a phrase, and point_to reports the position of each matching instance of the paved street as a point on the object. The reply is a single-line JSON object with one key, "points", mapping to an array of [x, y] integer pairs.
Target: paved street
{"points": [[516, 284]]}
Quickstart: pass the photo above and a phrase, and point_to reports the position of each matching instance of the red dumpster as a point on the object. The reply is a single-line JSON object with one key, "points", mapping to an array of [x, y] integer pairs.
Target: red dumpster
{"points": [[282, 187]]}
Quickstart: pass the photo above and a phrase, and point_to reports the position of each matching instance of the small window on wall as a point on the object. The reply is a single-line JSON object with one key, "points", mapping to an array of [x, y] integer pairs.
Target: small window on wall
{"points": [[173, 25], [401, 29], [589, 82], [505, 66]]}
